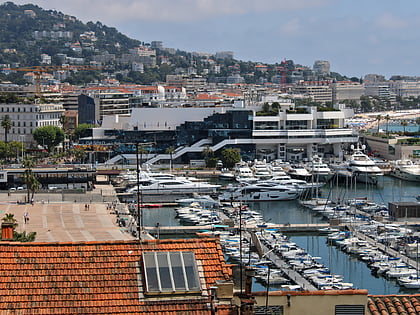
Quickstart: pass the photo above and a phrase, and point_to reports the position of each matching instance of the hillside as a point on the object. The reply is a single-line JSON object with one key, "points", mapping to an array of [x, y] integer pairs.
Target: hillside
{"points": [[31, 36], [56, 34]]}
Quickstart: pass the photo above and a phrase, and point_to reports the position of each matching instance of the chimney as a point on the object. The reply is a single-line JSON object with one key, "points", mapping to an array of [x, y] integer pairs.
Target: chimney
{"points": [[7, 230]]}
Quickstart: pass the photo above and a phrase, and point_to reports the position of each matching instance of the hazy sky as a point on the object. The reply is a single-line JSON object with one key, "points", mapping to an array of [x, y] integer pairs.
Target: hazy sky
{"points": [[357, 37]]}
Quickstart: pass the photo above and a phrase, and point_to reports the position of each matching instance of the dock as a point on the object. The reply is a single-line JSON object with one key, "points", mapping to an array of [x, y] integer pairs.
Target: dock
{"points": [[285, 267], [187, 229]]}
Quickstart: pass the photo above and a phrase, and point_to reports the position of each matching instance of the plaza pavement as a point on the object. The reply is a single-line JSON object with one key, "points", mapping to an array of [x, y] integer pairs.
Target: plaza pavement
{"points": [[57, 219]]}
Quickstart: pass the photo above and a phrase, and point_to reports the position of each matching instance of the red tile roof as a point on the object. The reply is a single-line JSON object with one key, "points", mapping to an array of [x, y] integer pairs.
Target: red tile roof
{"points": [[394, 304], [98, 277]]}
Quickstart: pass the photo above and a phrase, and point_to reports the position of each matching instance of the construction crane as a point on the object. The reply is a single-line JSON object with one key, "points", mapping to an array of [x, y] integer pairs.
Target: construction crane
{"points": [[39, 70]]}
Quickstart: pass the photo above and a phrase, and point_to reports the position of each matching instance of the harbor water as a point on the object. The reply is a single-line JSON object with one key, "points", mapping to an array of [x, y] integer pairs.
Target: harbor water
{"points": [[357, 272]]}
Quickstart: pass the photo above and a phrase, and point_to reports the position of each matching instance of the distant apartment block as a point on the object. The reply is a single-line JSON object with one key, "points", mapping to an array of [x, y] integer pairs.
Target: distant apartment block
{"points": [[104, 58], [45, 59], [405, 88], [322, 67], [156, 44], [224, 55], [52, 34], [347, 91], [378, 88], [374, 78], [191, 84], [318, 91]]}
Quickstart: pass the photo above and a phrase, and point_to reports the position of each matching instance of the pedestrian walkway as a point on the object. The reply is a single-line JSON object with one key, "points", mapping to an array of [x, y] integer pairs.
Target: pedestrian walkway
{"points": [[62, 222]]}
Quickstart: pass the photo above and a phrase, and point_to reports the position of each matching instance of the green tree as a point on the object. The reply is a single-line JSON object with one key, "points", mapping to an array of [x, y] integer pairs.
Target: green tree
{"points": [[208, 155], [23, 237], [49, 136], [80, 131], [29, 178], [230, 157], [6, 123], [13, 149]]}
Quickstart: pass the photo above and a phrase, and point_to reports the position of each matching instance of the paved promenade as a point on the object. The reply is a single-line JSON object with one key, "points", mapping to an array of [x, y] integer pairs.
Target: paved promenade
{"points": [[55, 220]]}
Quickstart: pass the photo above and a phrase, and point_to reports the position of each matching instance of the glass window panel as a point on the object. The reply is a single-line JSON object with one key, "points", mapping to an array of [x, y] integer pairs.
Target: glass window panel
{"points": [[178, 271], [191, 271], [164, 272], [152, 280]]}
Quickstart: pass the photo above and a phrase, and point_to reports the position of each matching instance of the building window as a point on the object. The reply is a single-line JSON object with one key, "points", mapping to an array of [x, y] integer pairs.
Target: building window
{"points": [[170, 272], [349, 309]]}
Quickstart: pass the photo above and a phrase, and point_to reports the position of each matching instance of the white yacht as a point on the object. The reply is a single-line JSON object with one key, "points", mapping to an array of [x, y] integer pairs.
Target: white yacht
{"points": [[320, 170], [263, 191], [175, 185], [243, 172], [261, 170], [298, 171], [277, 167], [406, 170], [362, 167]]}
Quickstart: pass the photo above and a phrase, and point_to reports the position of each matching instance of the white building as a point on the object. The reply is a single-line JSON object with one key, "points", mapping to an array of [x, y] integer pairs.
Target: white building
{"points": [[27, 117]]}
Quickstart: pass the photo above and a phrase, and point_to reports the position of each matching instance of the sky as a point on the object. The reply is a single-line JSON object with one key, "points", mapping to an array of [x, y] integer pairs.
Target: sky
{"points": [[357, 37]]}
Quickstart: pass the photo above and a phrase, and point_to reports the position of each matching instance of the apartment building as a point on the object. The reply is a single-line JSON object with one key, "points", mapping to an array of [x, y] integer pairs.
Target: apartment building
{"points": [[318, 91], [27, 117]]}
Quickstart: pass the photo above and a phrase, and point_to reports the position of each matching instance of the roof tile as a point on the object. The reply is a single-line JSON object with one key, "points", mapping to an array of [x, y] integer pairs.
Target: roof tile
{"points": [[97, 277]]}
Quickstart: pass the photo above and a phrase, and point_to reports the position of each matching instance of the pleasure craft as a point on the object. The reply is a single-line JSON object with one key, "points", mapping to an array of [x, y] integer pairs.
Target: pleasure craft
{"points": [[320, 171], [406, 170], [363, 167], [261, 192], [173, 186], [204, 201], [226, 174], [260, 170], [277, 168], [243, 173], [299, 172]]}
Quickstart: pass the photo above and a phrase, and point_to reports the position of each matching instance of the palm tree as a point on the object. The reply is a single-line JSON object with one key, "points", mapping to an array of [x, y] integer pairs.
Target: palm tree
{"points": [[207, 152], [378, 118], [170, 151], [404, 123], [30, 179], [10, 218], [387, 118], [6, 123]]}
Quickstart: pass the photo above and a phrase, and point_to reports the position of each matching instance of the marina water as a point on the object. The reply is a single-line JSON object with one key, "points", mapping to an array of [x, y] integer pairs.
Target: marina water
{"points": [[357, 272]]}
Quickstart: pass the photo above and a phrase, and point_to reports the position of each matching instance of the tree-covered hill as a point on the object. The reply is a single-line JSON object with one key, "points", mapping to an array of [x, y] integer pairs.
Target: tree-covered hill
{"points": [[19, 43]]}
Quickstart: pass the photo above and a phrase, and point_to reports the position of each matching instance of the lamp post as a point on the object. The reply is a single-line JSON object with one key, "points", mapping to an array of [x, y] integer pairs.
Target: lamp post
{"points": [[139, 201]]}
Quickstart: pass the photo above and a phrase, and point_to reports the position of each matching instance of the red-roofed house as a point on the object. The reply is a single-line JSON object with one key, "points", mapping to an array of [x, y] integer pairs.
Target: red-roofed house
{"points": [[117, 277]]}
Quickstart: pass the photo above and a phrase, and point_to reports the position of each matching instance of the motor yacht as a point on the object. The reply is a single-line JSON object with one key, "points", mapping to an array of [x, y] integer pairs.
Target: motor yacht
{"points": [[406, 170], [176, 185], [260, 192], [243, 172], [320, 170], [362, 167]]}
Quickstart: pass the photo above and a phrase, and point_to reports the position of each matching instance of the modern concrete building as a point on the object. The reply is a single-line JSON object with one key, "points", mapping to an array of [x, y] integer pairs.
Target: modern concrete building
{"points": [[289, 135]]}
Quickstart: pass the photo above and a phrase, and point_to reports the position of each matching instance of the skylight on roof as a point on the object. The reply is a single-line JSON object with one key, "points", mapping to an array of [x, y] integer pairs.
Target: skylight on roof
{"points": [[171, 272]]}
